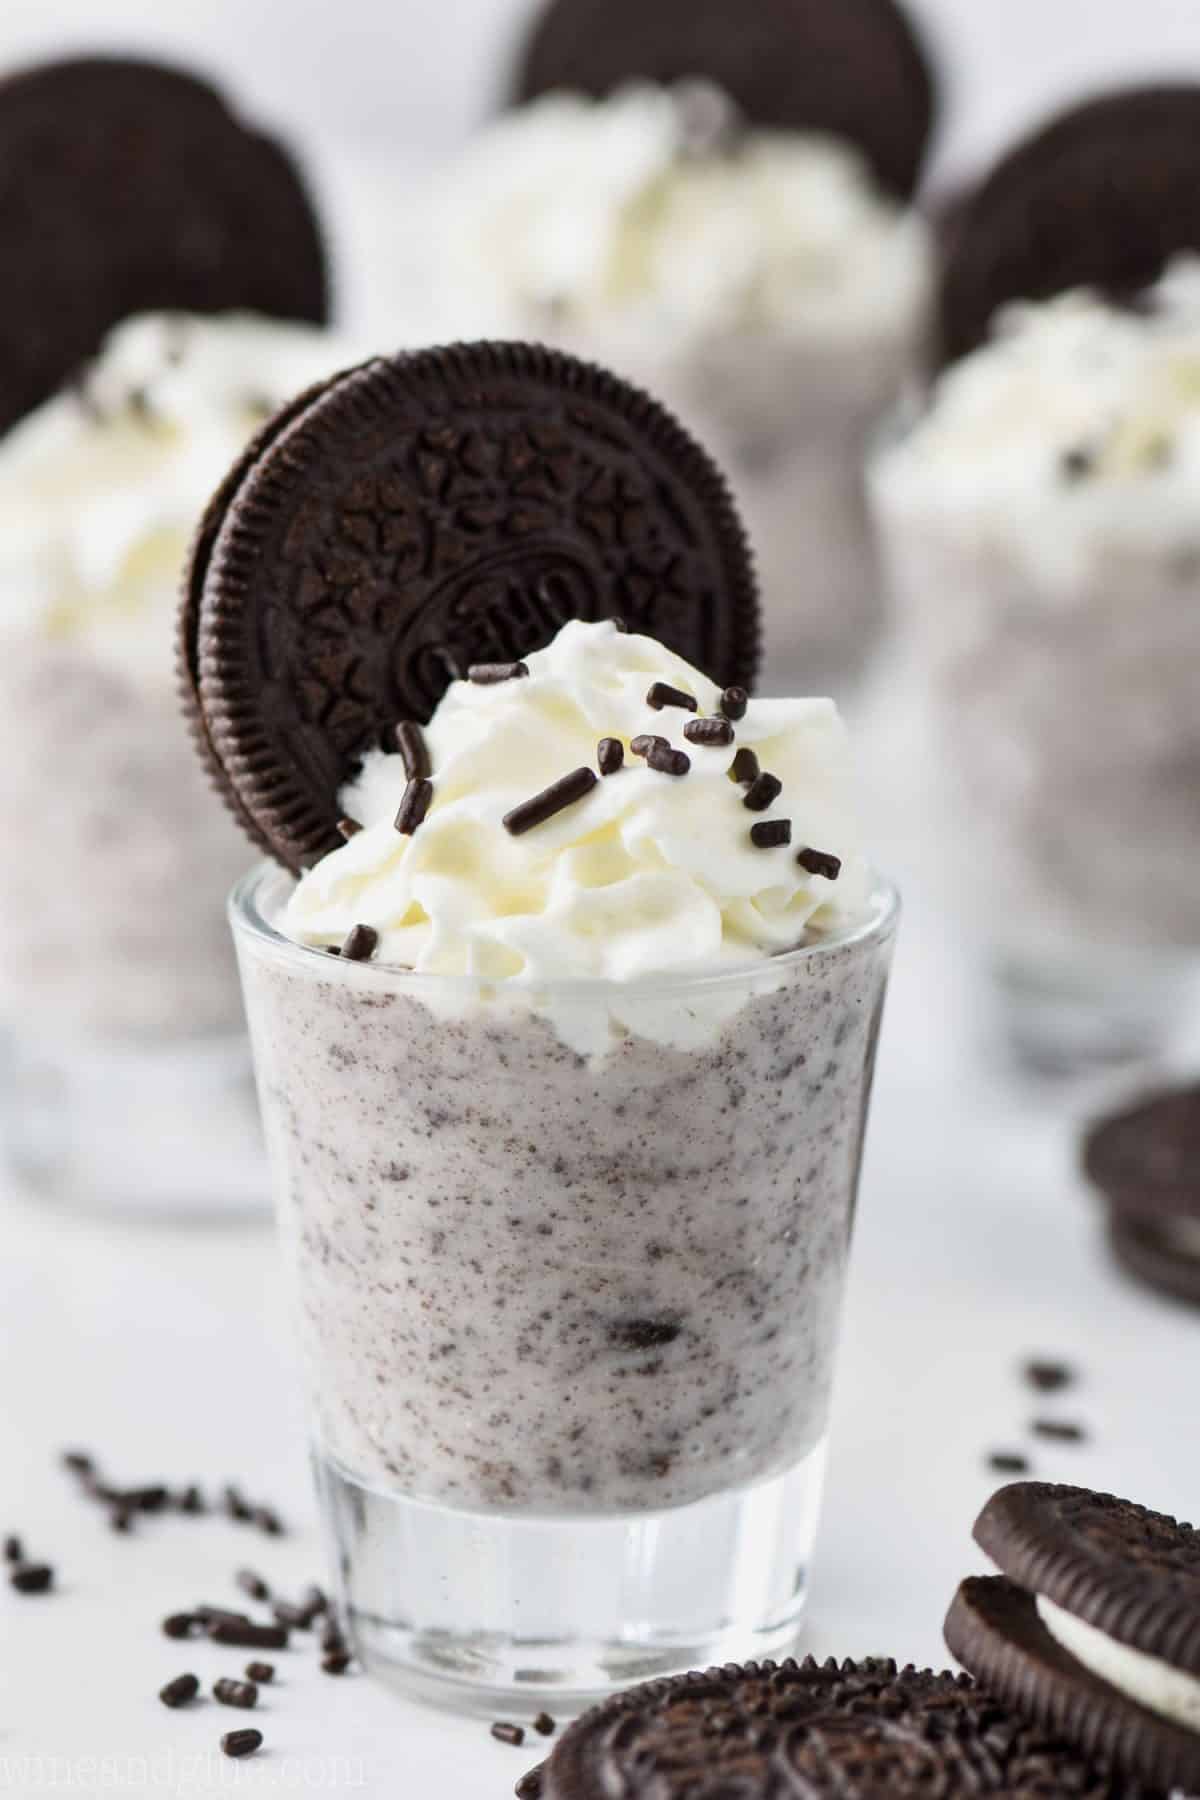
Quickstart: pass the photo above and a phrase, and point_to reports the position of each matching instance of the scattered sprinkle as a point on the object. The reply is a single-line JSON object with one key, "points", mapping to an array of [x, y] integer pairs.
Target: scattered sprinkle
{"points": [[235, 1693], [32, 1578], [744, 767], [235, 1503], [504, 1733], [1008, 1462], [645, 742], [714, 733], [260, 1672], [667, 761], [610, 755], [336, 1662], [252, 1584], [409, 740], [414, 806], [79, 1462], [491, 674], [1059, 1431], [763, 791], [241, 1743], [244, 1634], [348, 828], [360, 946], [661, 694], [181, 1625], [819, 862], [771, 833], [544, 1725], [180, 1691], [555, 799], [734, 702], [191, 1500], [296, 1618], [13, 1551], [1046, 1376]]}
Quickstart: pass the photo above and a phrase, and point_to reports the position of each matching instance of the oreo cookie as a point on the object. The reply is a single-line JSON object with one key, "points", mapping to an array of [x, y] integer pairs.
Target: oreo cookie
{"points": [[1102, 197], [1092, 1630], [854, 69], [424, 513], [126, 187], [855, 1730], [1145, 1162]]}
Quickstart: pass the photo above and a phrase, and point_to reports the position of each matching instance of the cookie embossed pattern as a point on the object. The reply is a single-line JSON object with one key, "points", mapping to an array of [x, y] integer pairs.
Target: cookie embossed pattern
{"points": [[592, 964]]}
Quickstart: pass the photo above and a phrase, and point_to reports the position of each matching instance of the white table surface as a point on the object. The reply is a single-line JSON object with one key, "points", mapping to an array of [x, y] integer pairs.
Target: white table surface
{"points": [[166, 1351]]}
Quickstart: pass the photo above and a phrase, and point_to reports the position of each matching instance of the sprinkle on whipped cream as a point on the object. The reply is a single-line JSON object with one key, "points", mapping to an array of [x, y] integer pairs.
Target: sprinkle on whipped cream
{"points": [[514, 880]]}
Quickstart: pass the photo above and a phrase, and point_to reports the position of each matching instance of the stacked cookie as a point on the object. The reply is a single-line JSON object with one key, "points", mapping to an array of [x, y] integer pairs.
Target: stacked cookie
{"points": [[1145, 1163], [1084, 1660]]}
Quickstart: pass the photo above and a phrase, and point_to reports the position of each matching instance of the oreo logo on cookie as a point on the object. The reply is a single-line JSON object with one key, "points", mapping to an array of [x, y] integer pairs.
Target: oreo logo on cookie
{"points": [[423, 513], [1102, 197]]}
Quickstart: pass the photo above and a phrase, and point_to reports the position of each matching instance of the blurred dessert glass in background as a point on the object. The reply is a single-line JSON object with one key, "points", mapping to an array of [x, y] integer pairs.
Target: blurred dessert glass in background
{"points": [[749, 251]]}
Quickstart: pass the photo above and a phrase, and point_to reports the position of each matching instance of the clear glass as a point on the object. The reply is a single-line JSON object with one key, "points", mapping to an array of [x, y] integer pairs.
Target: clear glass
{"points": [[569, 1320], [1062, 742], [127, 1081]]}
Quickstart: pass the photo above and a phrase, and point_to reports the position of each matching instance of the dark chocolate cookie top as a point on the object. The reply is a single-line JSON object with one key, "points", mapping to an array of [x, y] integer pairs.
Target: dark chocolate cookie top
{"points": [[1132, 1573], [994, 1629], [425, 513], [855, 69], [1101, 197], [1145, 1159], [128, 187], [860, 1731]]}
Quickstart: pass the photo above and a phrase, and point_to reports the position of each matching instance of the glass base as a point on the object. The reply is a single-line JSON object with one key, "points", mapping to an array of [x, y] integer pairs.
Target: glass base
{"points": [[166, 1128], [485, 1612], [1064, 1018]]}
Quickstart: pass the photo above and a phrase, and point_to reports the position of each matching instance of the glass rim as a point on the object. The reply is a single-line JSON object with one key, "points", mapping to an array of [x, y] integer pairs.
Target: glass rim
{"points": [[246, 916]]}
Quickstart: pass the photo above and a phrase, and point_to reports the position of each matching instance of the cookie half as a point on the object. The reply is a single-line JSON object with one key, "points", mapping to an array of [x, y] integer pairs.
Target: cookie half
{"points": [[126, 187], [1102, 197], [854, 69], [1163, 1254], [1095, 1630], [860, 1731], [423, 513], [1145, 1159]]}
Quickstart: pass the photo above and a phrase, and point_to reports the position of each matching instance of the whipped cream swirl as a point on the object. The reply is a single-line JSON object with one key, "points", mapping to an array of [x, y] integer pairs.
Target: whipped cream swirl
{"points": [[102, 487], [653, 211], [648, 874]]}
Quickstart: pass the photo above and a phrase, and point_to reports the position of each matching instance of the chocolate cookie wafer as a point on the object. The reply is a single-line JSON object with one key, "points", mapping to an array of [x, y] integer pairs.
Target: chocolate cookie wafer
{"points": [[1145, 1163], [860, 1731], [423, 514], [854, 69], [1092, 1631], [125, 187], [1101, 197]]}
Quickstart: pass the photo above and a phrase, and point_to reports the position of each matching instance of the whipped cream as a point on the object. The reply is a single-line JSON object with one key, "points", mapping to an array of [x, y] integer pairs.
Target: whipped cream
{"points": [[1074, 430], [102, 487], [649, 875], [650, 211], [1148, 1680]]}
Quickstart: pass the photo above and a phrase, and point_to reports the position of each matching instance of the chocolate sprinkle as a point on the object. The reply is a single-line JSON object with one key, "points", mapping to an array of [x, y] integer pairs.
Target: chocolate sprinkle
{"points": [[667, 761], [79, 1462], [244, 1634], [181, 1625], [771, 833], [1048, 1377], [819, 862], [663, 694], [349, 828], [734, 702], [336, 1662], [491, 674], [252, 1584], [180, 1691], [504, 1733], [555, 799], [241, 1743], [260, 1671], [1008, 1462], [361, 944], [764, 790], [530, 1786], [415, 804], [717, 733], [235, 1693], [32, 1578], [643, 744], [544, 1725], [414, 751], [13, 1552], [191, 1500], [1059, 1431], [744, 767], [610, 755], [236, 1503], [268, 1521]]}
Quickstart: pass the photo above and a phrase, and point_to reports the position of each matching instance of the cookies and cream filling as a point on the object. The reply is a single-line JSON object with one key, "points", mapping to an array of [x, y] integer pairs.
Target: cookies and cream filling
{"points": [[1147, 1680], [1074, 432], [657, 209], [102, 487]]}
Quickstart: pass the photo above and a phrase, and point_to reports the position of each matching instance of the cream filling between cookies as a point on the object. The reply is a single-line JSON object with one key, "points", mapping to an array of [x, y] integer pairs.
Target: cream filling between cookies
{"points": [[1146, 1679]]}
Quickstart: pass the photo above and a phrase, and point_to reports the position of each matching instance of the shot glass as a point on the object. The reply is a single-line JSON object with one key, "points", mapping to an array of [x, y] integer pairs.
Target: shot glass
{"points": [[127, 1083], [568, 1267]]}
